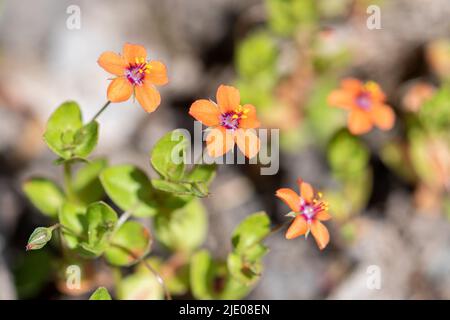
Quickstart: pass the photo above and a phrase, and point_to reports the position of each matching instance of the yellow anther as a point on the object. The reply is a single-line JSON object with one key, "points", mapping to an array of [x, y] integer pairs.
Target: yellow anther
{"points": [[136, 60], [319, 194], [147, 71], [235, 116], [371, 86], [246, 111]]}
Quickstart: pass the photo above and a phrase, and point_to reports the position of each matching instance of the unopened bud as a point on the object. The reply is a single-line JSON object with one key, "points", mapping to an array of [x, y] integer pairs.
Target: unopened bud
{"points": [[39, 238]]}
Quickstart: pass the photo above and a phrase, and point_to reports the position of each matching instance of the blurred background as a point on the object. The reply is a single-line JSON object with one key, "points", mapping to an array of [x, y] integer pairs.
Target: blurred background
{"points": [[388, 191]]}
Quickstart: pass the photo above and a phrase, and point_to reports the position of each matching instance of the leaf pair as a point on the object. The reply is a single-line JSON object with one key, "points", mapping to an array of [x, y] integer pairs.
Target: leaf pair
{"points": [[67, 136], [168, 158]]}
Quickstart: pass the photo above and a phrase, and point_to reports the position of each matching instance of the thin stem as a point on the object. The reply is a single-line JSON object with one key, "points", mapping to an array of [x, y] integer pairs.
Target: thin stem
{"points": [[123, 218], [68, 180], [159, 278], [101, 111]]}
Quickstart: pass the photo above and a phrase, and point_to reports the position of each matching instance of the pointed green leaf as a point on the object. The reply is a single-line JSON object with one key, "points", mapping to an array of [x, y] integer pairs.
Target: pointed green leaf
{"points": [[130, 189], [73, 220], [101, 220], [100, 294], [167, 156], [45, 195], [85, 139], [61, 128], [250, 232]]}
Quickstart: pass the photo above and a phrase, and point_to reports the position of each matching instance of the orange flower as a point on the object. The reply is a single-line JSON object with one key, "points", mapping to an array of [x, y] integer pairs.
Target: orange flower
{"points": [[230, 123], [308, 211], [366, 103], [135, 75]]}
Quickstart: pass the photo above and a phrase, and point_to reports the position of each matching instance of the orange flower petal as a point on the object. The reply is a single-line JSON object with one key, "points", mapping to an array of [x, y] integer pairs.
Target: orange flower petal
{"points": [[383, 116], [119, 90], [112, 63], [251, 121], [323, 216], [206, 112], [351, 85], [297, 228], [157, 73], [290, 197], [148, 97], [320, 233], [342, 99], [248, 142], [228, 98], [133, 51], [359, 122], [306, 192], [219, 141]]}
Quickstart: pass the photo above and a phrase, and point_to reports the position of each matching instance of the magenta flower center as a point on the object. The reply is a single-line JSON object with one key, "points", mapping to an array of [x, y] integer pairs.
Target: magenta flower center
{"points": [[364, 101], [230, 120], [309, 210], [135, 73]]}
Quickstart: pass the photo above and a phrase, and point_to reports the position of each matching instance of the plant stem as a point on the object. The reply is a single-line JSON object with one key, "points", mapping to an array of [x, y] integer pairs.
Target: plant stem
{"points": [[68, 180], [123, 218], [159, 278], [101, 111]]}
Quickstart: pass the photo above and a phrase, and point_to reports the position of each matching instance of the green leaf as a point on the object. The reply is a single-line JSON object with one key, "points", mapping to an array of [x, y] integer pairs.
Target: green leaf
{"points": [[130, 189], [183, 229], [61, 128], [172, 187], [86, 139], [169, 148], [198, 189], [201, 273], [435, 112], [202, 173], [347, 156], [285, 16], [65, 134], [45, 195], [250, 232], [320, 113], [128, 244], [141, 285], [100, 294], [73, 220], [257, 56], [210, 279], [101, 220], [39, 238], [86, 182], [246, 272]]}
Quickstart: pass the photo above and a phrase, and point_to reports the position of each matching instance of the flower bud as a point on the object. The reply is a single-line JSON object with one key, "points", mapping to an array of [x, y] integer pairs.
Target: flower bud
{"points": [[39, 238]]}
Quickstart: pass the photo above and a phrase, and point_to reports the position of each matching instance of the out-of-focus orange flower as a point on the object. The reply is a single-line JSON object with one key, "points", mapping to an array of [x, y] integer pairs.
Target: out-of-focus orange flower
{"points": [[366, 103], [308, 211], [230, 123], [135, 75]]}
